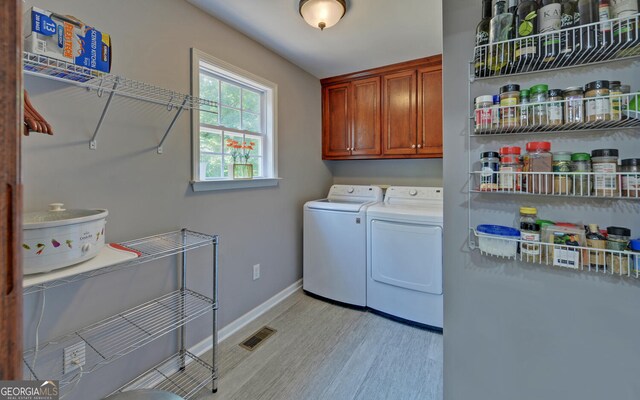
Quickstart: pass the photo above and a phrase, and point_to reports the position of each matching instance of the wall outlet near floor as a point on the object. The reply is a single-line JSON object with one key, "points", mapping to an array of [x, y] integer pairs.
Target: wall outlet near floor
{"points": [[74, 357], [256, 272]]}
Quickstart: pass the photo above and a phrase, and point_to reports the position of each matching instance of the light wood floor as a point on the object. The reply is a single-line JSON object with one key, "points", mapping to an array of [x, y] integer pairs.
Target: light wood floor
{"points": [[323, 351]]}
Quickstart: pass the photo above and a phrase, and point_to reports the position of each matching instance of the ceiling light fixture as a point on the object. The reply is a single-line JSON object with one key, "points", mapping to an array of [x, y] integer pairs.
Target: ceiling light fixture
{"points": [[322, 13]]}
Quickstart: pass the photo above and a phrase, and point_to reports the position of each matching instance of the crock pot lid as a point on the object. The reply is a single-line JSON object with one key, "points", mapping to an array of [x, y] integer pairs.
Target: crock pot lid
{"points": [[56, 212]]}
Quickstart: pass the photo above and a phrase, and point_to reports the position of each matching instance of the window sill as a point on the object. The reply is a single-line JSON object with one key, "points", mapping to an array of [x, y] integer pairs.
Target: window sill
{"points": [[230, 184]]}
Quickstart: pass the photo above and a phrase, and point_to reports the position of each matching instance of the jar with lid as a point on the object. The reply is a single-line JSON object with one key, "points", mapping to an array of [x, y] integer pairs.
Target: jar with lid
{"points": [[573, 106], [615, 91], [555, 109], [539, 95], [495, 112], [581, 166], [624, 100], [530, 246], [604, 163], [537, 167], [484, 108], [618, 240], [598, 242], [525, 109], [562, 180], [597, 104], [510, 169], [489, 167], [630, 180], [509, 101], [528, 215]]}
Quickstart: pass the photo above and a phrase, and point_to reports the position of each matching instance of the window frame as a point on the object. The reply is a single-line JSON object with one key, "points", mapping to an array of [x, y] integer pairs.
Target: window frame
{"points": [[237, 76]]}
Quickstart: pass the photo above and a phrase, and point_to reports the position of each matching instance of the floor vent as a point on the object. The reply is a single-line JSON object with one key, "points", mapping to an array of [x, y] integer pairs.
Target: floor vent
{"points": [[257, 338]]}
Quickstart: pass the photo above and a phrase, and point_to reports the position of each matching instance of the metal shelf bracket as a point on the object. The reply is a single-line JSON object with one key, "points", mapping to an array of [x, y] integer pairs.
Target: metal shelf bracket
{"points": [[173, 121], [93, 144]]}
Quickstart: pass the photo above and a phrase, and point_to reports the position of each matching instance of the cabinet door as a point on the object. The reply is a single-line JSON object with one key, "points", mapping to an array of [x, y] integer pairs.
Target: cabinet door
{"points": [[336, 132], [399, 112], [430, 111], [365, 117]]}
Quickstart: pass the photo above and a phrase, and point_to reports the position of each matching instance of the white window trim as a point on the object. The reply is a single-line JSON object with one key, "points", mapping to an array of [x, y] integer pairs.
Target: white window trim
{"points": [[271, 126]]}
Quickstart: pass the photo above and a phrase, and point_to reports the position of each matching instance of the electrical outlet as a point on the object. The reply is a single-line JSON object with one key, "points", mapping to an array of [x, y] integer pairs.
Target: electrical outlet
{"points": [[256, 272], [74, 357]]}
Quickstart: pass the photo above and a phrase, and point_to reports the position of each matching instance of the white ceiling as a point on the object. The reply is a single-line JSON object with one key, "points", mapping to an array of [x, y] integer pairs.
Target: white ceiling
{"points": [[373, 33]]}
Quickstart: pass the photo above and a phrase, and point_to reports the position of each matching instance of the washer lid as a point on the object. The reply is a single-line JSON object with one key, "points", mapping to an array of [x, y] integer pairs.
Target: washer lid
{"points": [[338, 205]]}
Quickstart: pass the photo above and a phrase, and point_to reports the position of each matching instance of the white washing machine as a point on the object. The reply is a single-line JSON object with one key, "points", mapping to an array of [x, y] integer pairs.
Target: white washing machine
{"points": [[404, 255], [335, 241]]}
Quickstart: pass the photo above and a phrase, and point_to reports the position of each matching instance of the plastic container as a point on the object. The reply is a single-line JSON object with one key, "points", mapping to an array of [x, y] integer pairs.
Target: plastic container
{"points": [[538, 163], [581, 163], [562, 180], [484, 112], [598, 242], [615, 91], [539, 94], [618, 240], [497, 240], [555, 110], [597, 104], [573, 106], [509, 110], [510, 169], [489, 166], [630, 181], [604, 163], [634, 245], [561, 240], [495, 112], [525, 109]]}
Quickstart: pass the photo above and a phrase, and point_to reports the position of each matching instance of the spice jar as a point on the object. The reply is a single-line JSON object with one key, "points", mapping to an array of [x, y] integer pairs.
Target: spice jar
{"points": [[573, 107], [490, 165], [555, 109], [509, 100], [630, 180], [581, 166], [484, 108], [597, 105], [624, 100], [530, 246], [618, 240], [604, 163], [539, 111], [562, 180], [510, 169], [524, 107], [615, 91], [597, 241], [495, 112], [537, 165]]}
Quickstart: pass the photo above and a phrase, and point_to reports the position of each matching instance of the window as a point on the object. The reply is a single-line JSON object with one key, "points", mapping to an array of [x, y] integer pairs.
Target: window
{"points": [[245, 114]]}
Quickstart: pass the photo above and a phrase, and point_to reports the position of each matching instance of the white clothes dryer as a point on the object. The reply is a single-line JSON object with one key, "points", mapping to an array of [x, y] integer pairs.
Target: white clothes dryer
{"points": [[334, 244], [404, 255]]}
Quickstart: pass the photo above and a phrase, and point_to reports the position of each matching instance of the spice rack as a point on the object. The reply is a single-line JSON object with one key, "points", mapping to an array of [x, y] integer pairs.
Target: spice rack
{"points": [[92, 80], [559, 188], [115, 337]]}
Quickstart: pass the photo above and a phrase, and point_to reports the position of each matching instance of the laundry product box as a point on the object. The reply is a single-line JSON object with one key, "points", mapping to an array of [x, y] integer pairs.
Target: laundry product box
{"points": [[66, 38]]}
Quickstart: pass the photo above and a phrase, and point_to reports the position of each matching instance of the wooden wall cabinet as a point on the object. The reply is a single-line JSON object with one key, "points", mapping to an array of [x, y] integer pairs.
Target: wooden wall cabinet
{"points": [[388, 112]]}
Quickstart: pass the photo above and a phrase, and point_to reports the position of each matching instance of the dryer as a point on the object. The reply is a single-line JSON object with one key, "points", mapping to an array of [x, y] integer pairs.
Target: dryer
{"points": [[334, 244], [404, 255]]}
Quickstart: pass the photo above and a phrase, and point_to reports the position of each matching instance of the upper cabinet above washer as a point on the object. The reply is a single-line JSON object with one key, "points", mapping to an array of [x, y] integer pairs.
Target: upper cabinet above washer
{"points": [[388, 112]]}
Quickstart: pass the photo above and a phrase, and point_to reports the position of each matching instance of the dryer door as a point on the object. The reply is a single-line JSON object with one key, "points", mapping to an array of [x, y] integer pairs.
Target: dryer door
{"points": [[407, 255]]}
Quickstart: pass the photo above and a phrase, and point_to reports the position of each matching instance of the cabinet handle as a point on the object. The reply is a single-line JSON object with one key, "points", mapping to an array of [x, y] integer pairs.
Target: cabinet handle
{"points": [[419, 146], [413, 146]]}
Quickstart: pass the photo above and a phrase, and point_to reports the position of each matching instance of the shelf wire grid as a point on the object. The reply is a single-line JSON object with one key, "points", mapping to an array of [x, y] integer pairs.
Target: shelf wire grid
{"points": [[587, 44], [569, 115], [618, 185], [150, 248], [100, 82], [579, 258], [169, 376], [119, 335]]}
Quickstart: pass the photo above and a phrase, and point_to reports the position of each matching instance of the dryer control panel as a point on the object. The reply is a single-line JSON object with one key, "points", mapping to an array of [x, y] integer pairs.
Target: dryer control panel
{"points": [[408, 194]]}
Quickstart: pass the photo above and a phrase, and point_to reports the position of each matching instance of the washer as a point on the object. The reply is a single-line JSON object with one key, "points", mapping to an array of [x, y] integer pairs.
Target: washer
{"points": [[404, 255], [335, 241]]}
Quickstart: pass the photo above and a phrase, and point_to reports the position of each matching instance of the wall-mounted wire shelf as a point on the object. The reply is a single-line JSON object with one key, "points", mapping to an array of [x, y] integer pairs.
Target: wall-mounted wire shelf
{"points": [[101, 83], [150, 248], [601, 113], [618, 185], [169, 376], [589, 44], [580, 258], [117, 336]]}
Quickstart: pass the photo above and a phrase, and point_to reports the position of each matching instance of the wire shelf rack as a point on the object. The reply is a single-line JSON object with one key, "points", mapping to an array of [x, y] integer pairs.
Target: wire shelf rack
{"points": [[150, 248], [618, 185], [50, 68], [566, 115], [588, 44], [117, 336], [604, 261], [169, 376]]}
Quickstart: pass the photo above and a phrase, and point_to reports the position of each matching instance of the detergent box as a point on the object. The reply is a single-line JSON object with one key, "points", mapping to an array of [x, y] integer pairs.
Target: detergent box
{"points": [[67, 39]]}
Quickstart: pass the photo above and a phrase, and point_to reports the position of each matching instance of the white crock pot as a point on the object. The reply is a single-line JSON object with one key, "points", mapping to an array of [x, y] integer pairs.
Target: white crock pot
{"points": [[58, 238]]}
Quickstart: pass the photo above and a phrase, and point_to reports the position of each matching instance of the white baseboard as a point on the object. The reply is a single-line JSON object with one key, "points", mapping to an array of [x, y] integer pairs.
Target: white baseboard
{"points": [[246, 319]]}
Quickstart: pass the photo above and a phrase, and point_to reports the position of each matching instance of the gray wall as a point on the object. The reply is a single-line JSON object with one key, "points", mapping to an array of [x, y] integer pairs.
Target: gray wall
{"points": [[147, 193], [387, 172], [519, 331]]}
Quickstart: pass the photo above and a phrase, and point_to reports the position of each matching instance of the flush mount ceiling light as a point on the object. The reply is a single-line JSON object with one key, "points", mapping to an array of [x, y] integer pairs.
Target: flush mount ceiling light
{"points": [[322, 13]]}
